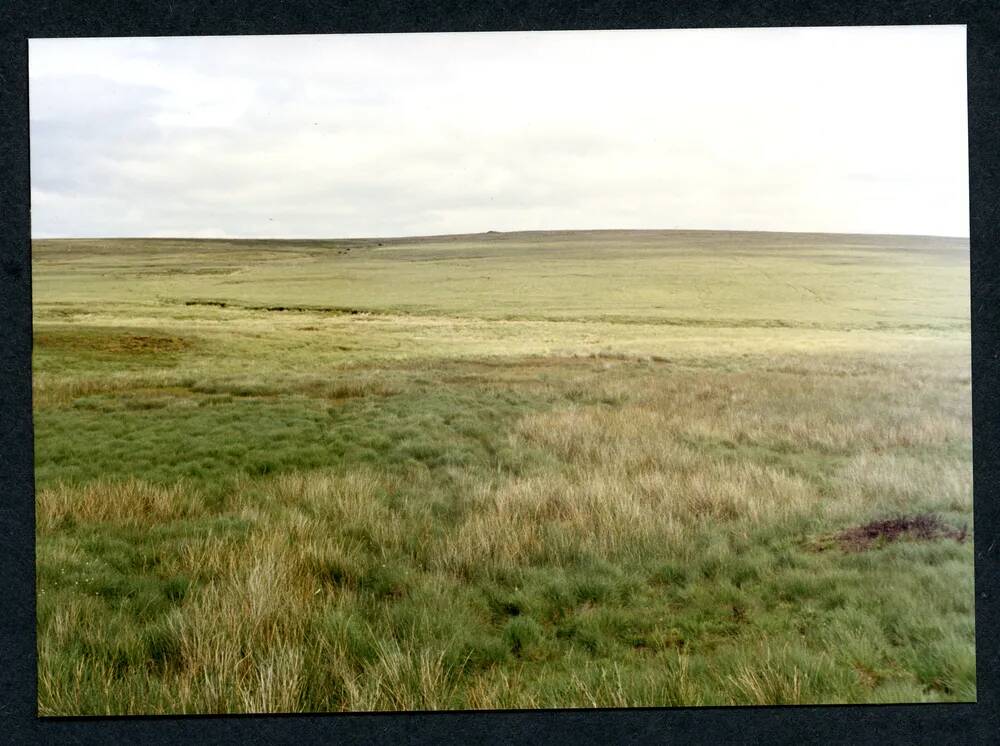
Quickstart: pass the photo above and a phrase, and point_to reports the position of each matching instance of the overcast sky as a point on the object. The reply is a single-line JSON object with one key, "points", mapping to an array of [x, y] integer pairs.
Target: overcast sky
{"points": [[843, 130]]}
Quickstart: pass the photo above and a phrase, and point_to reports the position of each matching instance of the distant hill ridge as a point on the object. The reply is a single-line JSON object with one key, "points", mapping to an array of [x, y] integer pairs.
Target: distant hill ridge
{"points": [[526, 234]]}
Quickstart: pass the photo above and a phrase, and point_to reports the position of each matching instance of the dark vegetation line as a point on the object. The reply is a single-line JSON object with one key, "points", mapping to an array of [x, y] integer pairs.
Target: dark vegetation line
{"points": [[343, 310], [626, 320]]}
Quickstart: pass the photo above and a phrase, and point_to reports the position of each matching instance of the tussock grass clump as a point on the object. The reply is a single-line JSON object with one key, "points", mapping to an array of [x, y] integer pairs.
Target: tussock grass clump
{"points": [[240, 635], [132, 502]]}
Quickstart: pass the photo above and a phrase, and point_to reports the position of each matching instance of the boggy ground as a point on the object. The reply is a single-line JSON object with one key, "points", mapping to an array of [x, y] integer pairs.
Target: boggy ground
{"points": [[242, 509]]}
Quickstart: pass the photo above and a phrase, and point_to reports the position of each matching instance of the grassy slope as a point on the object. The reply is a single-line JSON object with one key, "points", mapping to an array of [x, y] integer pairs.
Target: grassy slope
{"points": [[564, 469]]}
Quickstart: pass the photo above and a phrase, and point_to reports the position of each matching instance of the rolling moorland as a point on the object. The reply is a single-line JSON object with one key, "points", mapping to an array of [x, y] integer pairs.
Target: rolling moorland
{"points": [[561, 469]]}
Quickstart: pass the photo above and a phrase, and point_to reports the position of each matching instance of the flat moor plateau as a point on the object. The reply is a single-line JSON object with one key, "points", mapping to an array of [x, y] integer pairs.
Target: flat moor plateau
{"points": [[503, 470]]}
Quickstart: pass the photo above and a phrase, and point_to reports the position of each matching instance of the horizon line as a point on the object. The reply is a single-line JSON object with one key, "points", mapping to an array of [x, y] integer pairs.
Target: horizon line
{"points": [[493, 232]]}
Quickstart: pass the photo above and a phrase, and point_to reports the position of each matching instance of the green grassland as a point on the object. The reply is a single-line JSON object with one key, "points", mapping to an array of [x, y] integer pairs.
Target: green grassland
{"points": [[574, 469]]}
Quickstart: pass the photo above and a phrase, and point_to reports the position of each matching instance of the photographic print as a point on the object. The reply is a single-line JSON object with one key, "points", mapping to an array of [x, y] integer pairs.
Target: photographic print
{"points": [[508, 370]]}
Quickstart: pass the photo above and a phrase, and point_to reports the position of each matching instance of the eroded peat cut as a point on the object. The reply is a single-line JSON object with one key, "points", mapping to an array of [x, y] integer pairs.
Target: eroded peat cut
{"points": [[924, 527], [480, 488]]}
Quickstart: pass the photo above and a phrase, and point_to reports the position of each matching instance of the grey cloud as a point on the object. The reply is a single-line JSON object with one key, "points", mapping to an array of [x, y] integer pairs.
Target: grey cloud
{"points": [[82, 123]]}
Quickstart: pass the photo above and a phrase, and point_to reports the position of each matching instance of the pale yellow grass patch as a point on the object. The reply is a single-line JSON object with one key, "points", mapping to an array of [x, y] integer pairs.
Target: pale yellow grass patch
{"points": [[129, 502], [898, 482], [239, 634]]}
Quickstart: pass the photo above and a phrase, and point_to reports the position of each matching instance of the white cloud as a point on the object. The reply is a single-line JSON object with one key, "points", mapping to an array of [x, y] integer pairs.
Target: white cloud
{"points": [[833, 129]]}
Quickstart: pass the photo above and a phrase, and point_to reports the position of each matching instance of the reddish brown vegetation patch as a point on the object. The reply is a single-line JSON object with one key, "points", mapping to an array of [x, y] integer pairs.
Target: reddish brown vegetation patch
{"points": [[114, 343], [141, 343], [923, 527]]}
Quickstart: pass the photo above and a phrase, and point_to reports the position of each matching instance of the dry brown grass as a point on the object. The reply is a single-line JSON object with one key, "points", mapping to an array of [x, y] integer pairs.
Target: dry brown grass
{"points": [[899, 482], [131, 502], [241, 635]]}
